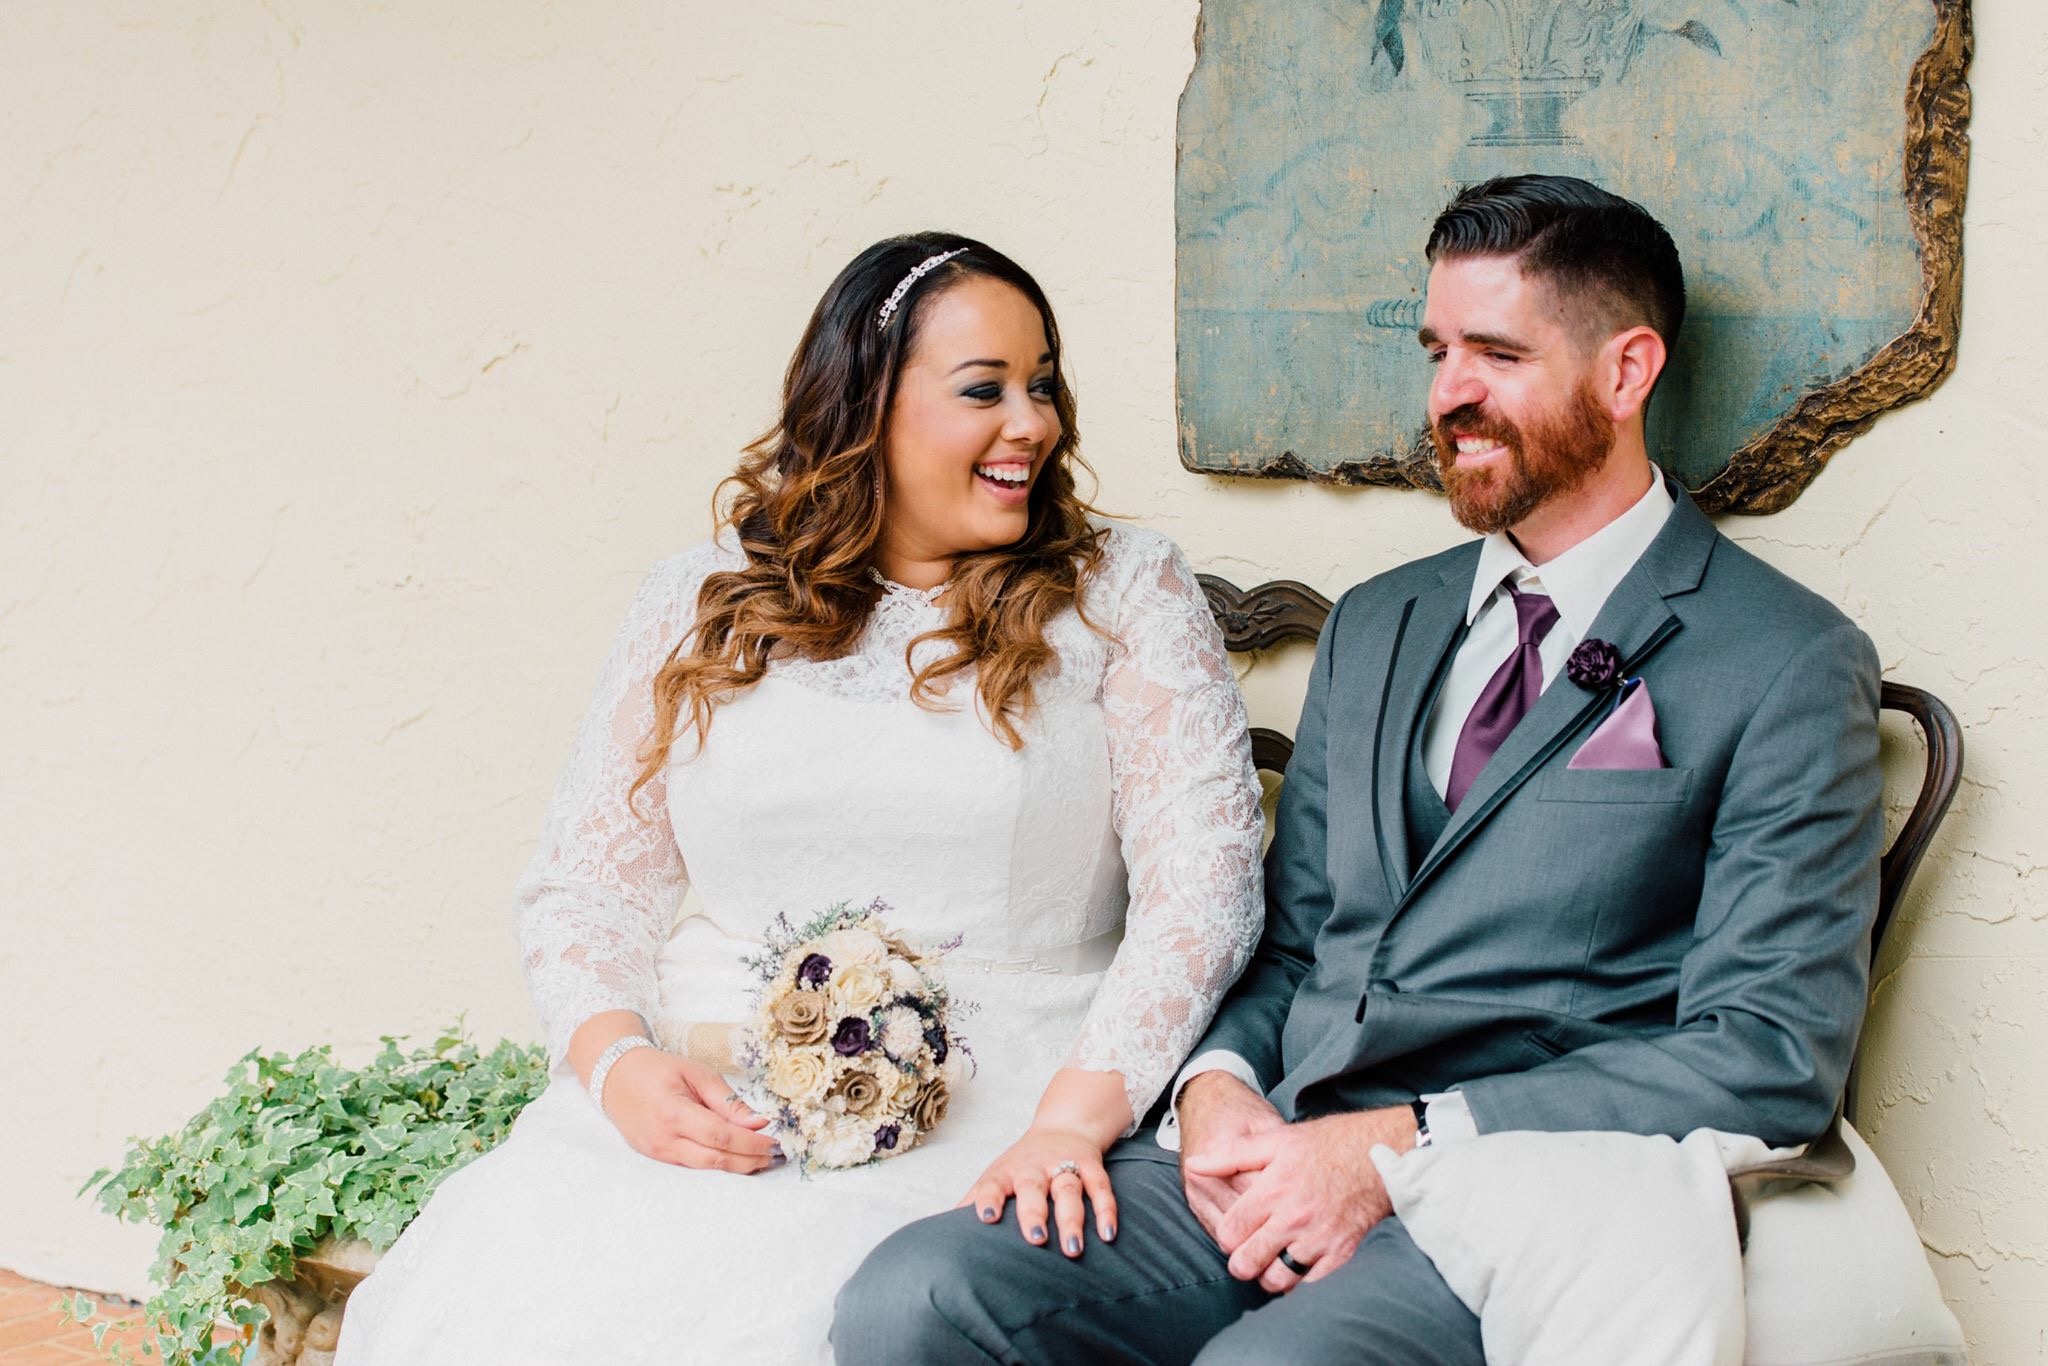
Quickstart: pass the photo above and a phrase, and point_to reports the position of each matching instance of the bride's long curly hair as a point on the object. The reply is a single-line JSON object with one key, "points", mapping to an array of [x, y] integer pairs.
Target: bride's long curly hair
{"points": [[806, 506]]}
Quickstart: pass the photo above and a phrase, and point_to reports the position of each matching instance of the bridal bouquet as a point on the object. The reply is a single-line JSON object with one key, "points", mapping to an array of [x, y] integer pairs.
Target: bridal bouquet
{"points": [[851, 1038]]}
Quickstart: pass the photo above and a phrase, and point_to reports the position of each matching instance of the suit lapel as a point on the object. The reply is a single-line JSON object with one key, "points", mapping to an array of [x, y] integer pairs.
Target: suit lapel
{"points": [[1638, 619], [1429, 624]]}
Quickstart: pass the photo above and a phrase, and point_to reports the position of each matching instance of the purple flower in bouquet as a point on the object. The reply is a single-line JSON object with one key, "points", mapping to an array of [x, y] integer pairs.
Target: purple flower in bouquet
{"points": [[851, 1037], [886, 1136], [1594, 665], [814, 970], [936, 1037]]}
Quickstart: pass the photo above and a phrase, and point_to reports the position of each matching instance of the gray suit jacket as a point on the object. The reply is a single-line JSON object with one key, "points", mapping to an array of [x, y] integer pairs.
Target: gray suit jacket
{"points": [[1649, 951]]}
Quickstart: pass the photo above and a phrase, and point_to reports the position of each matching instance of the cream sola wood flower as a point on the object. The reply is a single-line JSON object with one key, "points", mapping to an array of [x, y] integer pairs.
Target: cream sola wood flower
{"points": [[858, 986], [797, 1074], [903, 1033], [844, 1142], [857, 944], [852, 1046]]}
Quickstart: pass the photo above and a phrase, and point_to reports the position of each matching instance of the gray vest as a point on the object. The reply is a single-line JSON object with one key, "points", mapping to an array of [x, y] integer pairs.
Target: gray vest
{"points": [[1426, 812]]}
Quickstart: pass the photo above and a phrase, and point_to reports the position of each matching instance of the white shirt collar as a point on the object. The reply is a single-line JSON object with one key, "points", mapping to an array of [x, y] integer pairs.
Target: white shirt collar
{"points": [[1579, 580]]}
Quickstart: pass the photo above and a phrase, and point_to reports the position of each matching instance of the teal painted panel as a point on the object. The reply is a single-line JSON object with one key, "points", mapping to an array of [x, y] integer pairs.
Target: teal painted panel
{"points": [[1319, 139]]}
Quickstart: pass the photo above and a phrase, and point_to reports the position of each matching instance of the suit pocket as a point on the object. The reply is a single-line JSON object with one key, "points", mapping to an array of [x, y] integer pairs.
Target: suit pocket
{"points": [[1637, 786]]}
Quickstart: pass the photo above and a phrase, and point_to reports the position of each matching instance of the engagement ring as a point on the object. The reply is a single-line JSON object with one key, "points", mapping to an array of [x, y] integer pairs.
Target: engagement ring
{"points": [[1067, 1168]]}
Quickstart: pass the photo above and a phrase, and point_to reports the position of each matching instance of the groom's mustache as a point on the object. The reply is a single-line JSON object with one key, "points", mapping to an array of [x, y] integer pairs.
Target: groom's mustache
{"points": [[1471, 419]]}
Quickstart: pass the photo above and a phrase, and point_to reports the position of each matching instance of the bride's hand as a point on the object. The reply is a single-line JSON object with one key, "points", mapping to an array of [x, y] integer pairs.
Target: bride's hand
{"points": [[682, 1112], [1049, 1165], [1059, 1160]]}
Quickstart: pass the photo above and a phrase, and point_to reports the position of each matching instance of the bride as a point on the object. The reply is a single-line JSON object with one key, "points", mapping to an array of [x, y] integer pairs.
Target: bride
{"points": [[911, 667]]}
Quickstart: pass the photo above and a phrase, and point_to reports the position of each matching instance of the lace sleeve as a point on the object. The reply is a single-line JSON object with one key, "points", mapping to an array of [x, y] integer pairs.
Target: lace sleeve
{"points": [[1186, 805], [600, 895]]}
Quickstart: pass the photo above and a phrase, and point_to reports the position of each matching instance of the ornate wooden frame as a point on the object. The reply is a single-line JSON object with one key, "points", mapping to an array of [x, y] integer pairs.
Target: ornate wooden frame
{"points": [[1770, 471]]}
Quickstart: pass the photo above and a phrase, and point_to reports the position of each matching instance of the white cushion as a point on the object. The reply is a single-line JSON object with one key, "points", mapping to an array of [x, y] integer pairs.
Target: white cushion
{"points": [[1836, 1274], [1580, 1247], [1576, 1247]]}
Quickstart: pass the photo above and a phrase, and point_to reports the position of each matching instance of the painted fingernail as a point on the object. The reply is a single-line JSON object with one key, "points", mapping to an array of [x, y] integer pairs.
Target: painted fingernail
{"points": [[1073, 1245], [988, 1214], [1109, 1233], [1037, 1233], [777, 1158], [777, 1153]]}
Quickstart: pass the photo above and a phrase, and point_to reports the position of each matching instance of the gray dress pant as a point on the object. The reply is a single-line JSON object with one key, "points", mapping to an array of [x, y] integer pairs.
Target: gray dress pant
{"points": [[951, 1289]]}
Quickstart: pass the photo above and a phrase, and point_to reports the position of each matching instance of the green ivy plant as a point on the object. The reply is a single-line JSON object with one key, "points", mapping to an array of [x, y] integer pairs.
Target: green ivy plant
{"points": [[298, 1150]]}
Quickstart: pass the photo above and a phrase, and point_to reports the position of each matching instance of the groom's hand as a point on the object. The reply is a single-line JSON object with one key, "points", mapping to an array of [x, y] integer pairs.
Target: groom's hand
{"points": [[1312, 1192], [1215, 1109]]}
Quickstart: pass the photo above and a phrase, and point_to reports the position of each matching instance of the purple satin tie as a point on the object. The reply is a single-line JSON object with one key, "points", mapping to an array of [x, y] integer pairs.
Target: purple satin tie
{"points": [[1509, 694]]}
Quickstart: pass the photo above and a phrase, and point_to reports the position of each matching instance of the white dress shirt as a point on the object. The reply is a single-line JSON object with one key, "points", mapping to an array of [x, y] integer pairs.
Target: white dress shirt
{"points": [[1578, 582]]}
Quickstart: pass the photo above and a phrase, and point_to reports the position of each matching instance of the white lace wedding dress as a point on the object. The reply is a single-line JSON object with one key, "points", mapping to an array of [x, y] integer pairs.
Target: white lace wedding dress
{"points": [[1104, 881]]}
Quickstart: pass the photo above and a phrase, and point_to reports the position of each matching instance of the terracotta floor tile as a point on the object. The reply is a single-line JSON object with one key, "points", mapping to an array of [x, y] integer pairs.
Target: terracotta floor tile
{"points": [[48, 1354], [24, 1332], [34, 1333], [27, 1302]]}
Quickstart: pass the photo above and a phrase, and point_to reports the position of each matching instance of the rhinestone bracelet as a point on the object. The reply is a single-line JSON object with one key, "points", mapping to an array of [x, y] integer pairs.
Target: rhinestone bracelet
{"points": [[619, 1049]]}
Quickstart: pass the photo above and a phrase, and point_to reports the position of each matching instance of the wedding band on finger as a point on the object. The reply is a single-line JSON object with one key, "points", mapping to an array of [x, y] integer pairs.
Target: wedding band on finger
{"points": [[1288, 1261]]}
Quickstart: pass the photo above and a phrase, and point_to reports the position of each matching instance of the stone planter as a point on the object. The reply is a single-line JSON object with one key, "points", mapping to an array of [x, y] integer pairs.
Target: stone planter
{"points": [[305, 1311]]}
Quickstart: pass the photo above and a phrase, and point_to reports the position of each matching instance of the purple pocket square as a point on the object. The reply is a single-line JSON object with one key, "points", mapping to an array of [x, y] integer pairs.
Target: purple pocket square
{"points": [[1627, 738]]}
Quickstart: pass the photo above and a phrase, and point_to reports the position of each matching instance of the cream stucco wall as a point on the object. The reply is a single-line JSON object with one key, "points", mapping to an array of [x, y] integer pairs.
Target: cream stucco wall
{"points": [[356, 359]]}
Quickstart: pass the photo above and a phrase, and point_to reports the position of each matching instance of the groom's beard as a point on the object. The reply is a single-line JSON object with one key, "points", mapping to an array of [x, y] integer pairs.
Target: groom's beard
{"points": [[1553, 457]]}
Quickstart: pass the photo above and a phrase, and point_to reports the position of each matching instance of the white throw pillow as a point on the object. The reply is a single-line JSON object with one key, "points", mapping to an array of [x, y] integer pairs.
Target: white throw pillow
{"points": [[1580, 1247], [1577, 1247], [1836, 1274]]}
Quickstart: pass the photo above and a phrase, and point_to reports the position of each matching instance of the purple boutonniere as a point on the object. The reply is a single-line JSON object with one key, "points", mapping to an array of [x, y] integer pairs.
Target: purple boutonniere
{"points": [[1595, 665]]}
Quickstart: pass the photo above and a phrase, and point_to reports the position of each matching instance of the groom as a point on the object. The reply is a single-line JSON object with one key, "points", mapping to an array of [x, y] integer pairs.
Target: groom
{"points": [[1581, 832]]}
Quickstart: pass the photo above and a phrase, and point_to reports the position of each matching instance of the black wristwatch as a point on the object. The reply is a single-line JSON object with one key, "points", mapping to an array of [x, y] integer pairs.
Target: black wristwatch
{"points": [[1421, 1108]]}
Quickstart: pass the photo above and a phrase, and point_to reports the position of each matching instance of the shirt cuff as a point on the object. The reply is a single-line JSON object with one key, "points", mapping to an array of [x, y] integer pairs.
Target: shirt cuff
{"points": [[1215, 1060], [1450, 1117]]}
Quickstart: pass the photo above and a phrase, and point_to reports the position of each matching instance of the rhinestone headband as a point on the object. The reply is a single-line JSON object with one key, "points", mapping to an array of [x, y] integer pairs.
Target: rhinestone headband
{"points": [[918, 272]]}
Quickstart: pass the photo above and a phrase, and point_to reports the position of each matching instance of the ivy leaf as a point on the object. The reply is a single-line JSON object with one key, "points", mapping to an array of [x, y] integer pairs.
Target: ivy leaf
{"points": [[248, 1200]]}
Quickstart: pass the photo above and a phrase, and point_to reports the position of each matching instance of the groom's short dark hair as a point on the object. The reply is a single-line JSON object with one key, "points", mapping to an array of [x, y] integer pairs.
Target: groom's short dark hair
{"points": [[1613, 265]]}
